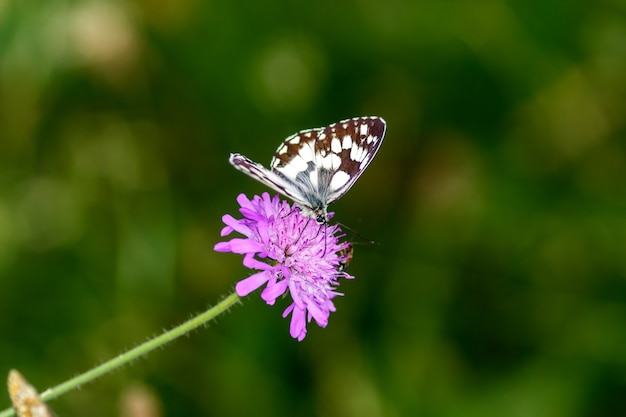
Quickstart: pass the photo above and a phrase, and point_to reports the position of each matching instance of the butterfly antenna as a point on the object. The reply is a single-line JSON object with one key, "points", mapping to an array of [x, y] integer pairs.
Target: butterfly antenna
{"points": [[290, 211], [303, 229], [367, 240]]}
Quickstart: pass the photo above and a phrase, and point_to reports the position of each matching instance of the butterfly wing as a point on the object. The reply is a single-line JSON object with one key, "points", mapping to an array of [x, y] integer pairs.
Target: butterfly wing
{"points": [[326, 162], [353, 144], [273, 180], [296, 158], [315, 167]]}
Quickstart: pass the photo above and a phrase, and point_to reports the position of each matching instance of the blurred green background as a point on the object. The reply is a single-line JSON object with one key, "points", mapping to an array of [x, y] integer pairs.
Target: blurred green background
{"points": [[498, 285]]}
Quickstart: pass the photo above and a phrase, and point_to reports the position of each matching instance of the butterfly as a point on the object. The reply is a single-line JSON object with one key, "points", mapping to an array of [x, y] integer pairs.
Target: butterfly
{"points": [[315, 167]]}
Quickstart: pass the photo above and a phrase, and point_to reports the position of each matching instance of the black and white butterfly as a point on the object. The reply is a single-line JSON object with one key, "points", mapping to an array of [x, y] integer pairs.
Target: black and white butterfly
{"points": [[315, 167]]}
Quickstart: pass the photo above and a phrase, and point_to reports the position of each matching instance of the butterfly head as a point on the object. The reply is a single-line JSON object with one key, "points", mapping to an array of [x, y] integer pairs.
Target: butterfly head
{"points": [[318, 213]]}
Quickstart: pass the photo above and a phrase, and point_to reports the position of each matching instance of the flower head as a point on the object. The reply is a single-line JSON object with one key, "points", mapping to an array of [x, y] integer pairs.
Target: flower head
{"points": [[290, 252]]}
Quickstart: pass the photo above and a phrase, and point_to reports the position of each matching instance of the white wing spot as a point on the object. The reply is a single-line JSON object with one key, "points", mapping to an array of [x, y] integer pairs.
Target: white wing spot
{"points": [[299, 163], [294, 167], [331, 161], [344, 125], [294, 141], [307, 152], [307, 134], [335, 145], [339, 180], [357, 153], [363, 130], [347, 142]]}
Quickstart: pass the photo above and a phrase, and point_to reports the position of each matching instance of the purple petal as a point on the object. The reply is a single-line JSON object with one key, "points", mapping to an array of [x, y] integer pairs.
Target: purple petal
{"points": [[272, 292], [236, 225], [254, 281], [320, 316], [252, 214], [286, 272], [295, 294], [330, 306], [297, 327], [222, 247], [288, 310], [249, 261], [243, 200], [245, 246]]}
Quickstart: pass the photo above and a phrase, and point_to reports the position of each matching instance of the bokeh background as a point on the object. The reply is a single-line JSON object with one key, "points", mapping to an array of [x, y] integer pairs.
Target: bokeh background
{"points": [[498, 282]]}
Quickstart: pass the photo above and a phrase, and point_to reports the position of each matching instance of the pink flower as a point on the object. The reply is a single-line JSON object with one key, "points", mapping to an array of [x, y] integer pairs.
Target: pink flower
{"points": [[289, 252]]}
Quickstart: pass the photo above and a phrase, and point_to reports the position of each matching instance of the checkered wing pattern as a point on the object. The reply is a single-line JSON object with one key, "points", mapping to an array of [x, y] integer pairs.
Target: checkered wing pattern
{"points": [[315, 167]]}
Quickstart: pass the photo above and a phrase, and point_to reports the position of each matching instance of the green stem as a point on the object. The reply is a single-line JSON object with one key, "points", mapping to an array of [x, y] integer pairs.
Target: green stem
{"points": [[134, 353]]}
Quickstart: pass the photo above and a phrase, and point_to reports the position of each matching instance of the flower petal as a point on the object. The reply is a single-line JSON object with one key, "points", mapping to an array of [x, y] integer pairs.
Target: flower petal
{"points": [[239, 245], [273, 291], [243, 200], [222, 247], [320, 316], [254, 281], [250, 262], [236, 225], [297, 327]]}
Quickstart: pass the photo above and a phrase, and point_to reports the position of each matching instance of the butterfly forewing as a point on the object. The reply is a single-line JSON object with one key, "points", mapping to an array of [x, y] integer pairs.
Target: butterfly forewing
{"points": [[329, 160], [316, 167]]}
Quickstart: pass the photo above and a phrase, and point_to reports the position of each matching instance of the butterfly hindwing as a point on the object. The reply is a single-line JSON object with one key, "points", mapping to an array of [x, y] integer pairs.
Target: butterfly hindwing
{"points": [[271, 179]]}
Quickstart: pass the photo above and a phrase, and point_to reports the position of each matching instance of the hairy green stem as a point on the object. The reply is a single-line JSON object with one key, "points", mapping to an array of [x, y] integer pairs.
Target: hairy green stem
{"points": [[136, 352]]}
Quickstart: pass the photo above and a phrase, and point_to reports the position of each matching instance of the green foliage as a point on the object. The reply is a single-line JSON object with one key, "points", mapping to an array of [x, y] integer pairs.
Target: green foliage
{"points": [[499, 282]]}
